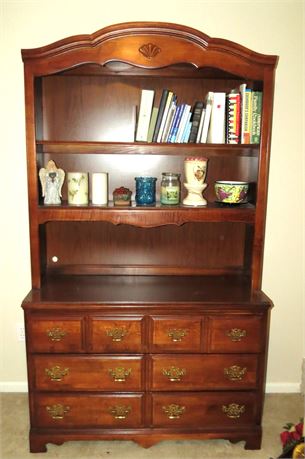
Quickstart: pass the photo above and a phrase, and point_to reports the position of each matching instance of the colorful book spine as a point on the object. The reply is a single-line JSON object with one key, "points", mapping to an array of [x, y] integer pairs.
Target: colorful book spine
{"points": [[233, 118], [247, 116], [257, 103], [176, 122], [165, 113]]}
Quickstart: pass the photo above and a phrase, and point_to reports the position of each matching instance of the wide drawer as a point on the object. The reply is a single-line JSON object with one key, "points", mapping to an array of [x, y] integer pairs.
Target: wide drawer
{"points": [[55, 335], [204, 410], [176, 334], [200, 372], [58, 373], [235, 333], [115, 411], [119, 335]]}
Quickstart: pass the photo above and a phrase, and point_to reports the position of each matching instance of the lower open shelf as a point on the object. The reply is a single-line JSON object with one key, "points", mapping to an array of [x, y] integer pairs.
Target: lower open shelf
{"points": [[139, 290]]}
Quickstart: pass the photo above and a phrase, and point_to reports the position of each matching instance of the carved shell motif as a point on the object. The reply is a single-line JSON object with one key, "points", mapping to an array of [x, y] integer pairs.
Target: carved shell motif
{"points": [[149, 50]]}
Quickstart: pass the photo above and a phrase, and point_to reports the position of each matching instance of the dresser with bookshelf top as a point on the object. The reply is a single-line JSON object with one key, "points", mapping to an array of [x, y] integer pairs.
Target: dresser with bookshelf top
{"points": [[143, 323]]}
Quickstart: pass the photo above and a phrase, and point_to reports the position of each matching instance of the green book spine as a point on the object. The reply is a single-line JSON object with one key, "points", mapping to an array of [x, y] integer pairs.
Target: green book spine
{"points": [[257, 102]]}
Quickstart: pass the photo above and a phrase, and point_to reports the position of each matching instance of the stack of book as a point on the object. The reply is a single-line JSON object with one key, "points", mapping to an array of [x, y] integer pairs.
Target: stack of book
{"points": [[220, 118]]}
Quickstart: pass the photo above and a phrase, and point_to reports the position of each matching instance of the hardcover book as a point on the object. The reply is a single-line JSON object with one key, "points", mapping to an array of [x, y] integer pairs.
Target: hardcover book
{"points": [[146, 103]]}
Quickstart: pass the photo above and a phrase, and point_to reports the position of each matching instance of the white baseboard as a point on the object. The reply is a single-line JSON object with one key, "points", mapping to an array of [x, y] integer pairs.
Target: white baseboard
{"points": [[283, 388], [271, 388], [13, 386]]}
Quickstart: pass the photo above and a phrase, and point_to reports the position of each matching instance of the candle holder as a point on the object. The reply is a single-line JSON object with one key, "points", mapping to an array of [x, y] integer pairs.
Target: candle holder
{"points": [[145, 191]]}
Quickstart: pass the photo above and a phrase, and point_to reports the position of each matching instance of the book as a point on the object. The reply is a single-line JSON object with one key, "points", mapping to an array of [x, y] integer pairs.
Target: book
{"points": [[233, 117], [168, 102], [175, 125], [182, 123], [257, 103], [199, 133], [247, 116], [216, 133], [146, 103], [207, 116], [152, 124], [169, 120], [160, 113], [195, 119]]}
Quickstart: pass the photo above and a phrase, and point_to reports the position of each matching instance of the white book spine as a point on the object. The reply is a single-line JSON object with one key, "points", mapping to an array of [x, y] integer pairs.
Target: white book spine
{"points": [[147, 98], [218, 117]]}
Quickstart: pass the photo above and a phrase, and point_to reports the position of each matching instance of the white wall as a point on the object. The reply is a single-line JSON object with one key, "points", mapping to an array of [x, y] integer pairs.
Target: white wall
{"points": [[274, 27]]}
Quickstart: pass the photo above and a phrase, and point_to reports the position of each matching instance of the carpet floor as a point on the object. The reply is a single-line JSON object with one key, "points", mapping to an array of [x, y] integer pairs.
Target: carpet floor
{"points": [[279, 409]]}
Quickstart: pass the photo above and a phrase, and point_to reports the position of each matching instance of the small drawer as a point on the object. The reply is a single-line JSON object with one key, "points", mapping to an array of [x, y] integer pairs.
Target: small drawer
{"points": [[58, 373], [55, 335], [116, 334], [235, 334], [209, 410], [204, 372], [175, 334], [116, 411]]}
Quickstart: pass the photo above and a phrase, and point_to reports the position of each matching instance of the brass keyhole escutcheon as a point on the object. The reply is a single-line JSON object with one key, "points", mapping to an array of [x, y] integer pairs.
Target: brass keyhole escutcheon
{"points": [[116, 333], [120, 411], [176, 334], [57, 411], [173, 411], [233, 410], [236, 334], [174, 374], [56, 334], [235, 373]]}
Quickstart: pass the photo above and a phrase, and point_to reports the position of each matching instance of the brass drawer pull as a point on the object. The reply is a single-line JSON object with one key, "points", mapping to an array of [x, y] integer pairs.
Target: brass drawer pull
{"points": [[117, 333], [56, 373], [176, 334], [119, 374], [173, 411], [236, 334], [120, 411], [57, 411], [56, 334], [174, 374], [233, 411], [235, 372]]}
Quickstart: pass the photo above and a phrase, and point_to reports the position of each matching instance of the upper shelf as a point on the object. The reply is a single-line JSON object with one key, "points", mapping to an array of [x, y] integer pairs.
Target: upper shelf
{"points": [[142, 148], [147, 217]]}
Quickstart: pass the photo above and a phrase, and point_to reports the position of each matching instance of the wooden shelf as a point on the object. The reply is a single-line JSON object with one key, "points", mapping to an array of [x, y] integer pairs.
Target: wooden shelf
{"points": [[145, 290], [187, 149], [148, 216]]}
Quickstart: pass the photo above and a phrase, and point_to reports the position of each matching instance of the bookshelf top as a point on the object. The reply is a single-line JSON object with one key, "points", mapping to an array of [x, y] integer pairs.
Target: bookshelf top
{"points": [[148, 45]]}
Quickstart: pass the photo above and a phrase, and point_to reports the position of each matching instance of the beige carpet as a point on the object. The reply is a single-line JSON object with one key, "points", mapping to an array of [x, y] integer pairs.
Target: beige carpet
{"points": [[279, 409]]}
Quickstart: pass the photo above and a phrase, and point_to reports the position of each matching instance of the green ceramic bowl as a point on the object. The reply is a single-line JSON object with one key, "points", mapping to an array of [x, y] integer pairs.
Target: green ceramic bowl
{"points": [[231, 192]]}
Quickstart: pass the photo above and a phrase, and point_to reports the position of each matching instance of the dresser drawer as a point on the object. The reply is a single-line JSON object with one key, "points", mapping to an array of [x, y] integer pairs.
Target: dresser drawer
{"points": [[204, 410], [55, 335], [235, 334], [116, 411], [58, 373], [175, 334], [116, 334], [203, 372]]}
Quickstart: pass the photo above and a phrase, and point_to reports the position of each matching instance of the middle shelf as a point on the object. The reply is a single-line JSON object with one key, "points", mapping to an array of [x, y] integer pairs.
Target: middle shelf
{"points": [[157, 215]]}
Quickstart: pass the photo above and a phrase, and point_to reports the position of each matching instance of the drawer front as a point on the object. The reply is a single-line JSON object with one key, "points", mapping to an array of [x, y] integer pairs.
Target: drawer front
{"points": [[194, 372], [116, 411], [206, 410], [52, 335], [175, 334], [116, 335], [58, 373], [235, 334]]}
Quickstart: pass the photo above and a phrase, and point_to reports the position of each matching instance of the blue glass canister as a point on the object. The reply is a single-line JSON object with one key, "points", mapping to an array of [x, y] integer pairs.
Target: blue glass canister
{"points": [[145, 191]]}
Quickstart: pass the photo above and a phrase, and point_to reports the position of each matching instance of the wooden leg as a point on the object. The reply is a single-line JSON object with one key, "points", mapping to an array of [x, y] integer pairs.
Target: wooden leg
{"points": [[37, 445]]}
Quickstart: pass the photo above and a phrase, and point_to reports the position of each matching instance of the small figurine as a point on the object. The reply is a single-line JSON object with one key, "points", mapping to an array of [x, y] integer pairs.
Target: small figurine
{"points": [[51, 180]]}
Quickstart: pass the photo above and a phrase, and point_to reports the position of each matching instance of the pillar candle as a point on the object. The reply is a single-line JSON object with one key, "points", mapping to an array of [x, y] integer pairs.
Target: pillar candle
{"points": [[99, 195], [78, 188]]}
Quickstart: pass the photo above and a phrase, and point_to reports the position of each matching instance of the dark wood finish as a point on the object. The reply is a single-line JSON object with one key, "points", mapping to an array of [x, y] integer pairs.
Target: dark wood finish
{"points": [[124, 300]]}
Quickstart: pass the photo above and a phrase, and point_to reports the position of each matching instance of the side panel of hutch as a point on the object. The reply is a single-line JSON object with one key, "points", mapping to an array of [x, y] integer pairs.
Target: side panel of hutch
{"points": [[143, 323]]}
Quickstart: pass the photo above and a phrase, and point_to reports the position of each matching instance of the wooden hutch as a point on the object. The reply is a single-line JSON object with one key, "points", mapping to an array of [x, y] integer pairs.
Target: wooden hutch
{"points": [[143, 323]]}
